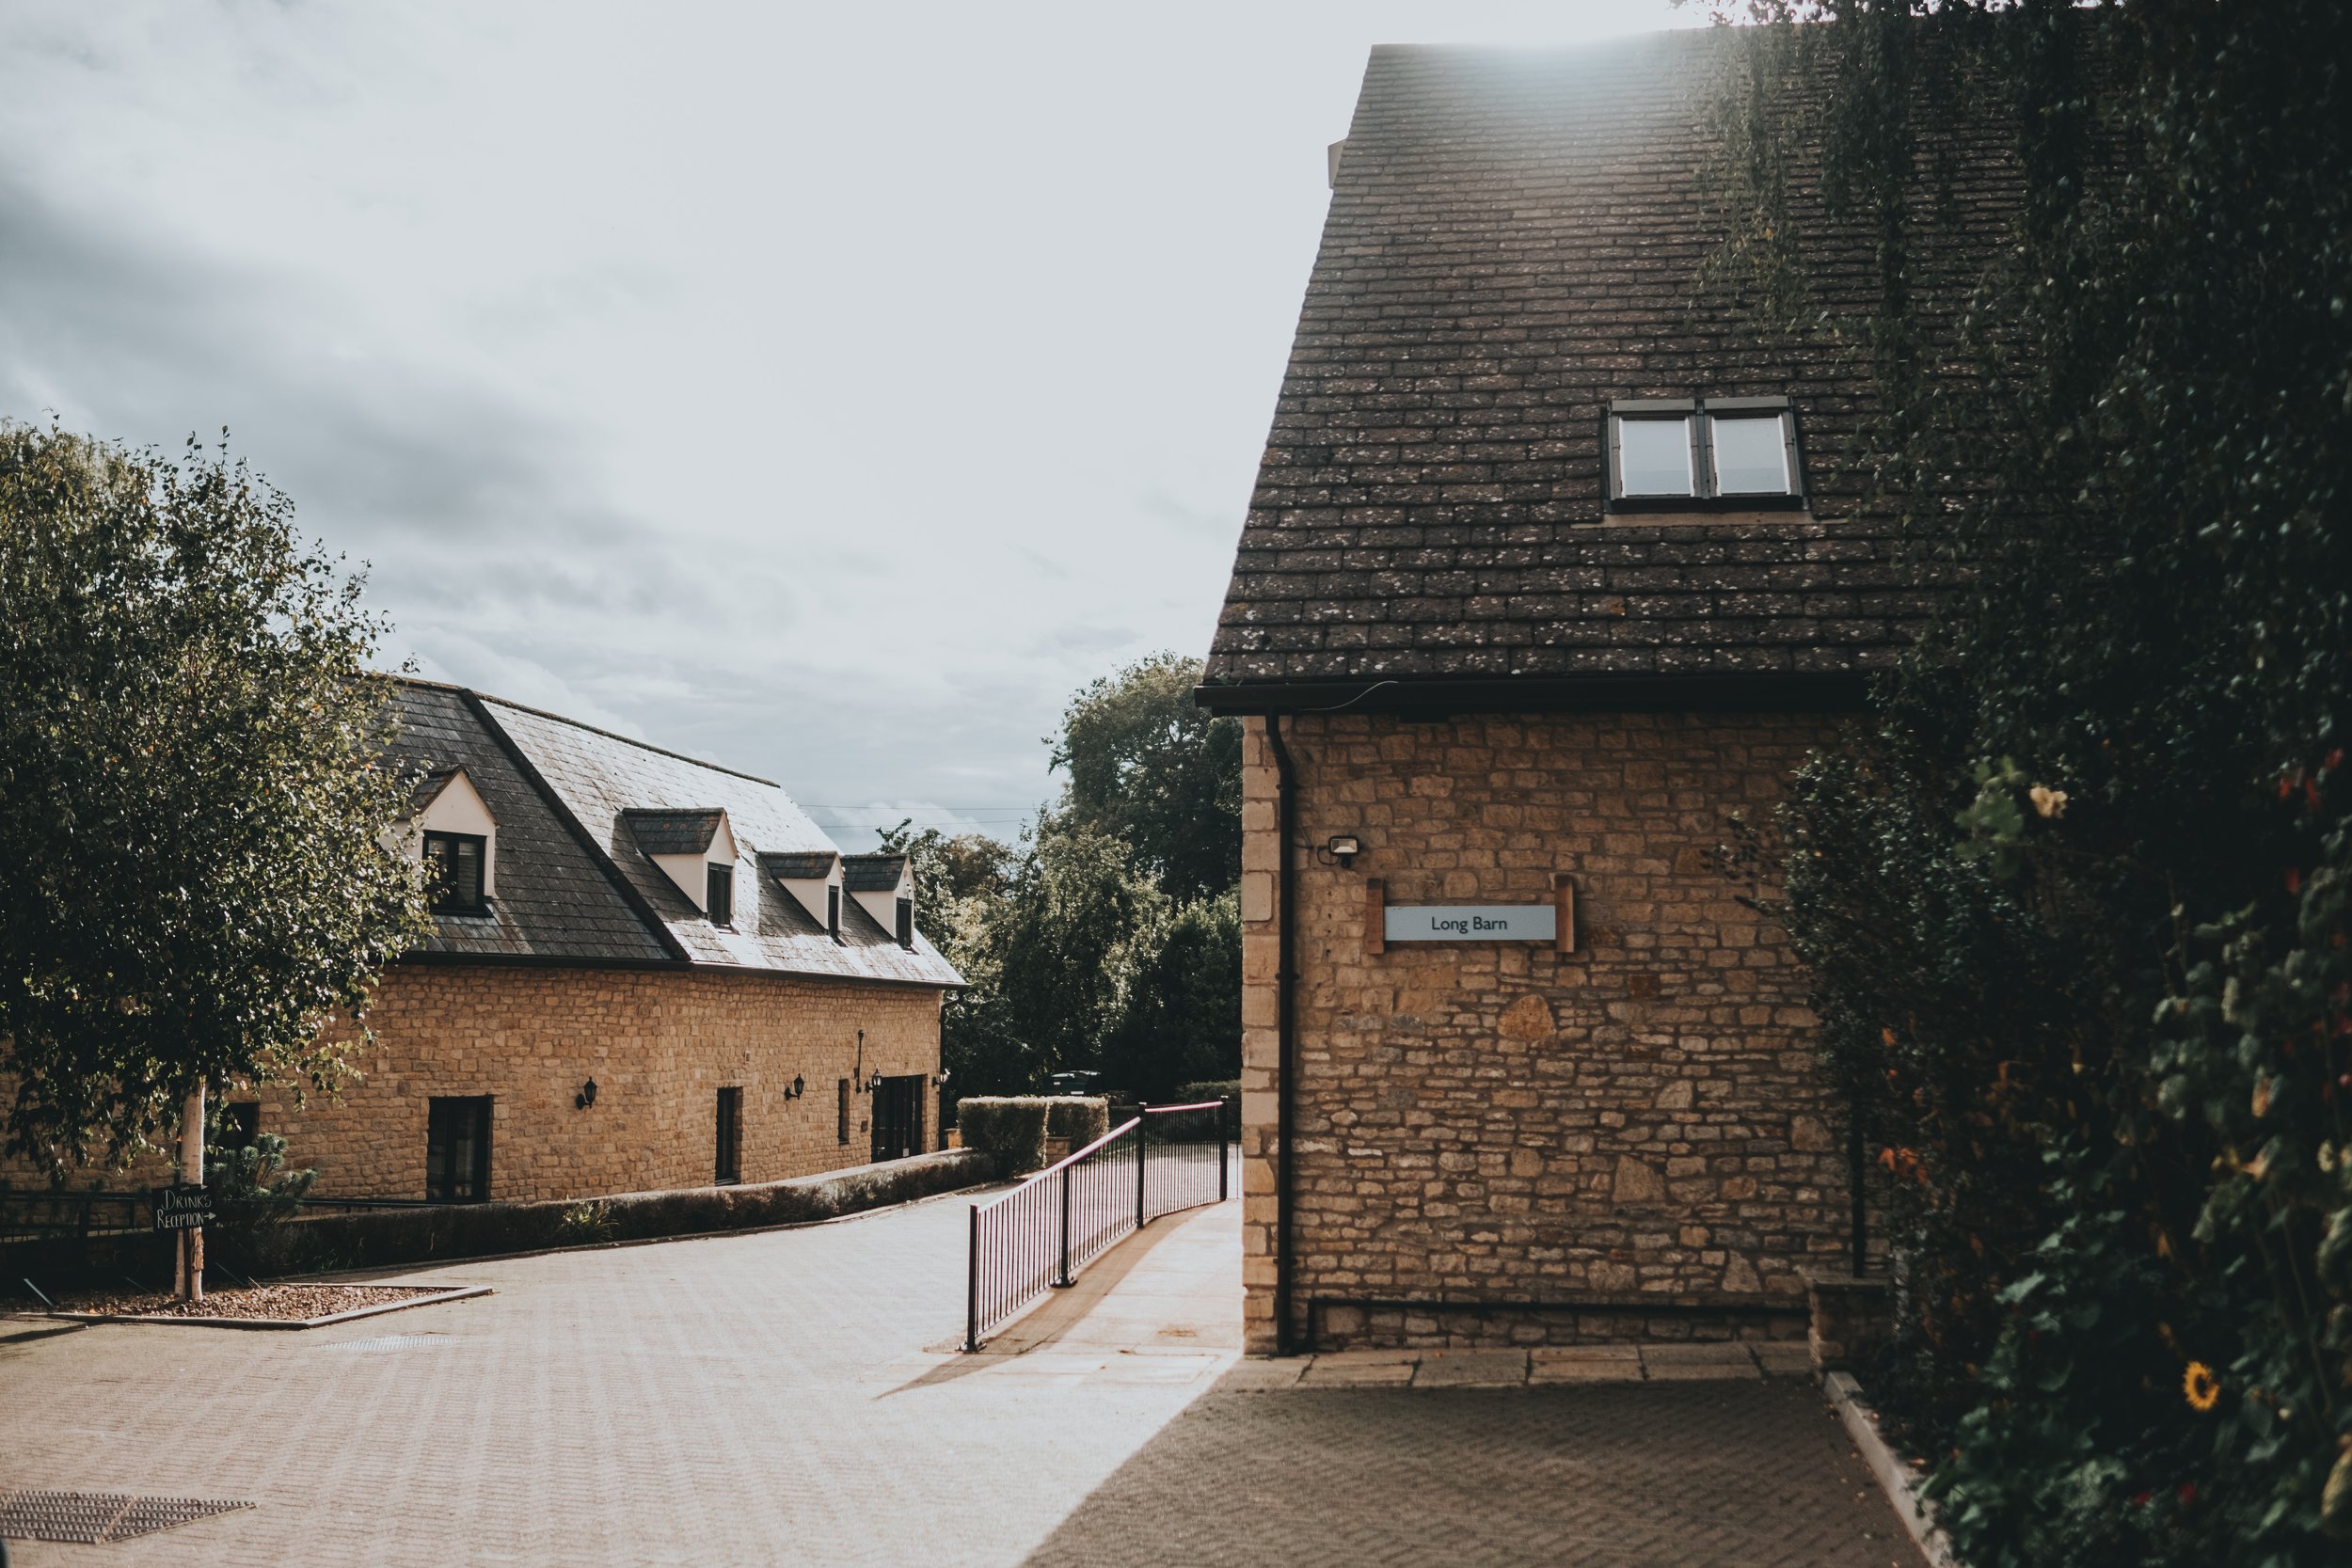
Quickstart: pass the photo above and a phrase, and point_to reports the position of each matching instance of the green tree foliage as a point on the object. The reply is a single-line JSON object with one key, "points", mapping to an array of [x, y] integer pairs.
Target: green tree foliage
{"points": [[1180, 1020], [1150, 767], [193, 882], [2077, 899], [1109, 939]]}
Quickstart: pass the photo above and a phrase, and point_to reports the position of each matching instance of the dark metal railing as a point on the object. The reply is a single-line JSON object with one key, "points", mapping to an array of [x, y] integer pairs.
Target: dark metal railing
{"points": [[1037, 1237], [1187, 1157], [53, 1213]]}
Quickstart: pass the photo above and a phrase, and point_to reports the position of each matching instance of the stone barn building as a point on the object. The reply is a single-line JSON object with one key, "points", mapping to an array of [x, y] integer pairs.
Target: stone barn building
{"points": [[1551, 566], [645, 972]]}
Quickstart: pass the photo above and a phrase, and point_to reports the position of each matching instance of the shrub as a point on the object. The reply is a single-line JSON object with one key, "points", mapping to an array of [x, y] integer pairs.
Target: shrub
{"points": [[1010, 1129], [1081, 1118], [250, 1186]]}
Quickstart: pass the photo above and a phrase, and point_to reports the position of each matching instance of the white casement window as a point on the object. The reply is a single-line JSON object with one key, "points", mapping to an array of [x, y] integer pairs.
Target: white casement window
{"points": [[1704, 454]]}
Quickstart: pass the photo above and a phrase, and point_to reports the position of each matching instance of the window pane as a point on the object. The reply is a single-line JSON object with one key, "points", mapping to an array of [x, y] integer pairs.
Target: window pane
{"points": [[465, 886], [719, 893], [1654, 457], [1751, 458]]}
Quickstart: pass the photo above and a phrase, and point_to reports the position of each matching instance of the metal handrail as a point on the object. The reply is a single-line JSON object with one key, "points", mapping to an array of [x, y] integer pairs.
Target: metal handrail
{"points": [[1037, 1237]]}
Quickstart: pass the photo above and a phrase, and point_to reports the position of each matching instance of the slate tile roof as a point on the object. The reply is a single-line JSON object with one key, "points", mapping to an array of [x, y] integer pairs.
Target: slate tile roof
{"points": [[871, 872], [810, 865], [1515, 239], [550, 783], [673, 833]]}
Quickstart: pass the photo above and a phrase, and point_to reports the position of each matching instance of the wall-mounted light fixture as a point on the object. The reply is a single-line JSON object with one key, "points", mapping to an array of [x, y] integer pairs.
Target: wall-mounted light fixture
{"points": [[874, 1083], [796, 1088], [586, 1096], [1343, 848]]}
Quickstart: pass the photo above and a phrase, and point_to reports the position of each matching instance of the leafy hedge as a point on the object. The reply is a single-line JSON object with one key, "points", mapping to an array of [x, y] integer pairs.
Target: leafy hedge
{"points": [[2079, 897], [325, 1240], [1077, 1118], [1011, 1129]]}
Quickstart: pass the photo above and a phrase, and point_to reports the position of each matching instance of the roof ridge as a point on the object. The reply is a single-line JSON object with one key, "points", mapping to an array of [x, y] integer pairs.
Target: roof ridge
{"points": [[592, 729]]}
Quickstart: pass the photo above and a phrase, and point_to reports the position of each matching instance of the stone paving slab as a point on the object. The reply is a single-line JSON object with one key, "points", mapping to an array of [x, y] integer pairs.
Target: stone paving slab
{"points": [[1563, 1364], [1722, 1474]]}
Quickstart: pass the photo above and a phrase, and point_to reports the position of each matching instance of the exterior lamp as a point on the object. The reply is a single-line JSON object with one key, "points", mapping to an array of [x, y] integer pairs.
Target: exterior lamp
{"points": [[799, 1088], [1343, 849], [874, 1083], [586, 1096]]}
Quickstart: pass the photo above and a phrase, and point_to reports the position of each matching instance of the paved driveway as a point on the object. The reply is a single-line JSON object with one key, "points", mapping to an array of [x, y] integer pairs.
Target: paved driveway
{"points": [[795, 1398], [764, 1398]]}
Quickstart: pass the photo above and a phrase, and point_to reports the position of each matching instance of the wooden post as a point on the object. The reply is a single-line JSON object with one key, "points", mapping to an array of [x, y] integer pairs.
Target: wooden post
{"points": [[1564, 904], [192, 1171], [1376, 916]]}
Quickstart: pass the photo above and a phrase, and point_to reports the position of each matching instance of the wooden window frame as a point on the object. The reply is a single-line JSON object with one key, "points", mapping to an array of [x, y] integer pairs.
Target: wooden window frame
{"points": [[719, 893], [441, 892], [1701, 413]]}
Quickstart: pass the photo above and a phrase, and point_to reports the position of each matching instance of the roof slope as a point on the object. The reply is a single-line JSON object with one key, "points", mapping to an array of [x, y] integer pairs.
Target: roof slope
{"points": [[554, 900], [605, 900], [1513, 240]]}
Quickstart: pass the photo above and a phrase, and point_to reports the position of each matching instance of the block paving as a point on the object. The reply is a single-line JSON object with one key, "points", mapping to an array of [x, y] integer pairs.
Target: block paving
{"points": [[795, 1398]]}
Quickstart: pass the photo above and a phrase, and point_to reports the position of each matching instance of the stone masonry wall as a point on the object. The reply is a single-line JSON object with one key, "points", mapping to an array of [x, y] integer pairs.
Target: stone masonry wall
{"points": [[659, 1044], [1638, 1122]]}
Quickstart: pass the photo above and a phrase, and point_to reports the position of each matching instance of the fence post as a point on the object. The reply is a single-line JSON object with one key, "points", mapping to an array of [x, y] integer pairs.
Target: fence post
{"points": [[1065, 1227], [972, 1287], [1224, 1157], [1141, 1155]]}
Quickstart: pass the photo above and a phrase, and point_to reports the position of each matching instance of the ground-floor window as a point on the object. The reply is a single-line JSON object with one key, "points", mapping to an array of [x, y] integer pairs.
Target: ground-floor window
{"points": [[841, 1119], [730, 1163], [457, 1149]]}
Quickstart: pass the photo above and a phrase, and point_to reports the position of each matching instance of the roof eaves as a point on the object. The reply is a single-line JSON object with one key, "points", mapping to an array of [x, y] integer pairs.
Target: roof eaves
{"points": [[1762, 691]]}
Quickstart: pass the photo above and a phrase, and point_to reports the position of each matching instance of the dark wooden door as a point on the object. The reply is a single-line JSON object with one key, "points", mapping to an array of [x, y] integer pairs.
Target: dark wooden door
{"points": [[899, 1118]]}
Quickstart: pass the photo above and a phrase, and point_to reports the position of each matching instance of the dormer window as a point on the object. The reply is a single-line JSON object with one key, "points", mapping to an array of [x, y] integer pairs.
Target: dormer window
{"points": [[1704, 454], [694, 847], [906, 922], [833, 911], [453, 871]]}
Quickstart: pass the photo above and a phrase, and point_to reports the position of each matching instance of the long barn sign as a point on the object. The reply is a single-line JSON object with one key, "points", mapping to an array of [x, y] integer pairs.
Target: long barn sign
{"points": [[1553, 922]]}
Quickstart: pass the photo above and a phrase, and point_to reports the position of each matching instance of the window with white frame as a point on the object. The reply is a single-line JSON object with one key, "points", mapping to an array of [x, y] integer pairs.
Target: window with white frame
{"points": [[1704, 454]]}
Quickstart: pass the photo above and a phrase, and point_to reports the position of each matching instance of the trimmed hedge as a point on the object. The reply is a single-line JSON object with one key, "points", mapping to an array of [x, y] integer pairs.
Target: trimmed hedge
{"points": [[1008, 1128], [1079, 1117], [376, 1238], [1013, 1128]]}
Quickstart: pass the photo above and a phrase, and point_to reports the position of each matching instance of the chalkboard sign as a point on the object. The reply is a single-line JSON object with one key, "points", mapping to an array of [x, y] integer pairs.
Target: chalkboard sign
{"points": [[186, 1206]]}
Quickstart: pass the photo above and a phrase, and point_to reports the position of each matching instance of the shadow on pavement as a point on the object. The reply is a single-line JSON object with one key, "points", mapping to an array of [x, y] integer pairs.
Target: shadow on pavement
{"points": [[1688, 1475]]}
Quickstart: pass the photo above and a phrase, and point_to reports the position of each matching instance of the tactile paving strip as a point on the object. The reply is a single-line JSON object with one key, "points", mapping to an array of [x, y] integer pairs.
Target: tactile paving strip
{"points": [[97, 1518]]}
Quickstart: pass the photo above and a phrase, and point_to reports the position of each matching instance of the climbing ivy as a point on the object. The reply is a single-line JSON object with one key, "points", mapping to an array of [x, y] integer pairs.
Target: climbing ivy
{"points": [[2077, 895]]}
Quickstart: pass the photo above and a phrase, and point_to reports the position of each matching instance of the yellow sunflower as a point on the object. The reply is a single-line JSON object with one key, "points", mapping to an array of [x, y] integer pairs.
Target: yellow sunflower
{"points": [[2202, 1389]]}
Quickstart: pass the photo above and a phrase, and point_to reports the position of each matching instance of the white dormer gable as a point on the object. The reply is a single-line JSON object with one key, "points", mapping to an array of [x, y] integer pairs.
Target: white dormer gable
{"points": [[813, 878], [683, 845], [447, 802], [880, 883]]}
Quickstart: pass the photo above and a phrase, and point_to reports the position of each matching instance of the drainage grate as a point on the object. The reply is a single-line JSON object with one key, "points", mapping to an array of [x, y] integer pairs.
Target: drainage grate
{"points": [[383, 1343], [97, 1518]]}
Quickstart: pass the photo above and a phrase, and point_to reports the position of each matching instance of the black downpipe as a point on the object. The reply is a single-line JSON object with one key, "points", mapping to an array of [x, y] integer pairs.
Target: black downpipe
{"points": [[1285, 1050]]}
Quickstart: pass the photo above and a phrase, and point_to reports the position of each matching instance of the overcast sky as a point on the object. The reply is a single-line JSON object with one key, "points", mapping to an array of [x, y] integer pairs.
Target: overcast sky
{"points": [[828, 392]]}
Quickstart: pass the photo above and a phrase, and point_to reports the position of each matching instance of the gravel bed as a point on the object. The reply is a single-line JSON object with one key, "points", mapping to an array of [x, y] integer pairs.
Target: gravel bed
{"points": [[262, 1300]]}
